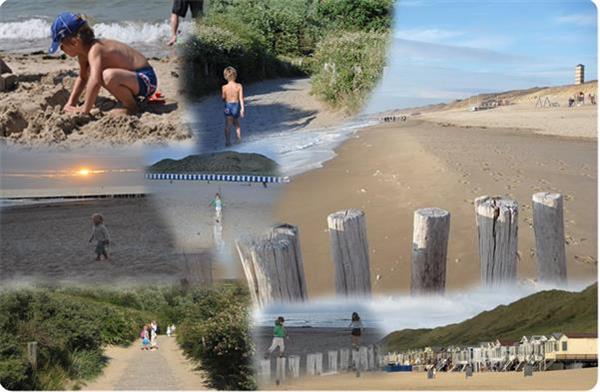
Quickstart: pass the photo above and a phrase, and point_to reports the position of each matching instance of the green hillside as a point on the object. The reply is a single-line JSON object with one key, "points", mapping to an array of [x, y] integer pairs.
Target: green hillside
{"points": [[228, 162], [538, 314]]}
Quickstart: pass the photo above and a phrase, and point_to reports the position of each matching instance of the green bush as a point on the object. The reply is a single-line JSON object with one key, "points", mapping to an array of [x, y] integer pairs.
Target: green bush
{"points": [[347, 67]]}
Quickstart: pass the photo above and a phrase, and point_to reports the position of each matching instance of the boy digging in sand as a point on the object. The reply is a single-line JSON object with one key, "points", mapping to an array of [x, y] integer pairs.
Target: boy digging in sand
{"points": [[233, 95], [111, 64], [100, 234]]}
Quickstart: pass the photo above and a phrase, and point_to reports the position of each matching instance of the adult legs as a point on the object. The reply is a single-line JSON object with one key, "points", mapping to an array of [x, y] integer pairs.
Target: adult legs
{"points": [[123, 84]]}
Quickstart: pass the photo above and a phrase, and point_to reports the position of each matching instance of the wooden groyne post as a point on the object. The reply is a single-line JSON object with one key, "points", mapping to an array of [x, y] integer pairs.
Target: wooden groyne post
{"points": [[497, 227], [548, 226], [294, 365], [273, 266], [431, 227], [350, 251], [32, 354], [332, 361]]}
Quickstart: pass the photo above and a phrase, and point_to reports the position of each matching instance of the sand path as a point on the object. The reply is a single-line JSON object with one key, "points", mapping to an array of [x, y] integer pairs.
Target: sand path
{"points": [[271, 106], [133, 369], [575, 379]]}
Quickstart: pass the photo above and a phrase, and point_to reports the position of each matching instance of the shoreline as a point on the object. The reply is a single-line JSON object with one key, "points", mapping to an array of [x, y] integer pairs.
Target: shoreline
{"points": [[404, 160]]}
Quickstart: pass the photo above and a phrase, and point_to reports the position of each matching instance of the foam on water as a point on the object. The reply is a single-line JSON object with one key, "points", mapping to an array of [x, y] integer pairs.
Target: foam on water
{"points": [[300, 151], [34, 34]]}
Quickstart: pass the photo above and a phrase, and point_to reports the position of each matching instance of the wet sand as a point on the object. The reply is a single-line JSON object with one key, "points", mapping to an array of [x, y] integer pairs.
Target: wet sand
{"points": [[393, 169], [185, 208], [48, 243], [575, 379], [278, 105]]}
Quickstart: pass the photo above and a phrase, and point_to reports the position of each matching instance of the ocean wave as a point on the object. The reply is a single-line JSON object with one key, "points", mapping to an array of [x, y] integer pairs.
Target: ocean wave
{"points": [[127, 31]]}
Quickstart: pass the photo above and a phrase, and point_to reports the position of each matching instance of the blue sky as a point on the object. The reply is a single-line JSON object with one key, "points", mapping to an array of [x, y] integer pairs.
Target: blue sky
{"points": [[446, 50]]}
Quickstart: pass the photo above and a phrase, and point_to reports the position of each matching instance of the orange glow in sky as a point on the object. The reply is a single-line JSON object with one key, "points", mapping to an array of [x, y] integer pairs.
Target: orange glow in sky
{"points": [[84, 172]]}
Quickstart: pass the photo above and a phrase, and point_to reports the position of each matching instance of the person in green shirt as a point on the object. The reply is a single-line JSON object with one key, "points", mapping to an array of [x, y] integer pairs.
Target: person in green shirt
{"points": [[279, 335]]}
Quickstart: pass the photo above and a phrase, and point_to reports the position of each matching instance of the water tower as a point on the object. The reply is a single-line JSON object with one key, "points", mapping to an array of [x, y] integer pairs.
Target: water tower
{"points": [[579, 74]]}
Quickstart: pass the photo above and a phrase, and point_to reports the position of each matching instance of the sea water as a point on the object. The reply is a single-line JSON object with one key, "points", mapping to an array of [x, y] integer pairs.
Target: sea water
{"points": [[25, 25]]}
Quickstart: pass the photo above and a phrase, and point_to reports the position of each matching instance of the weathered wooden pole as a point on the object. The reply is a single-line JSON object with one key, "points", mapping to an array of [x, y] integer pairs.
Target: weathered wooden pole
{"points": [[363, 358], [294, 365], [431, 227], [344, 359], [332, 361], [350, 251], [264, 373], [549, 229], [280, 370], [497, 227], [32, 354], [273, 266]]}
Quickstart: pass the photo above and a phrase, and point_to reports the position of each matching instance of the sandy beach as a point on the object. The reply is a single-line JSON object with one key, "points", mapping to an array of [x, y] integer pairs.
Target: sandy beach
{"points": [[309, 340], [575, 379], [272, 106], [48, 243], [393, 169], [31, 115], [185, 208]]}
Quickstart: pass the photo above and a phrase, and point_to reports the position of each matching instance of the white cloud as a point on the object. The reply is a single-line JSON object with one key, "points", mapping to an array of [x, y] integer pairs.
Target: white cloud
{"points": [[578, 19], [427, 35]]}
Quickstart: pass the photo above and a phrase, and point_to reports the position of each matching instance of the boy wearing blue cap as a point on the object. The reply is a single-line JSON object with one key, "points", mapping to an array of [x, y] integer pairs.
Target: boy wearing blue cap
{"points": [[117, 67]]}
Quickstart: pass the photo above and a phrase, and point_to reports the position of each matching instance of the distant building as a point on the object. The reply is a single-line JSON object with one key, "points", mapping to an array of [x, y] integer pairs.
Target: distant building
{"points": [[579, 74]]}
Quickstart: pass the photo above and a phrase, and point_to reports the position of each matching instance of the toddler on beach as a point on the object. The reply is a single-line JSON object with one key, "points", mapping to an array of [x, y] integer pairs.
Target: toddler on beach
{"points": [[100, 234], [356, 332], [278, 336], [233, 96], [117, 67], [218, 204]]}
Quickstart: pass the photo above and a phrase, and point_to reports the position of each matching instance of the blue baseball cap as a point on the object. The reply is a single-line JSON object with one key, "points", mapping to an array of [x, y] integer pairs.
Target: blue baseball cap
{"points": [[65, 24]]}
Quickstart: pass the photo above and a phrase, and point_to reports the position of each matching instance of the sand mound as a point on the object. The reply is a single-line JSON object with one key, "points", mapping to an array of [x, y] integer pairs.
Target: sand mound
{"points": [[227, 162], [32, 113]]}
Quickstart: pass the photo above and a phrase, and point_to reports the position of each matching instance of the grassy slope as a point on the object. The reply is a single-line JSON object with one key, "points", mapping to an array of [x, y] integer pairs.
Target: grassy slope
{"points": [[541, 313], [218, 163]]}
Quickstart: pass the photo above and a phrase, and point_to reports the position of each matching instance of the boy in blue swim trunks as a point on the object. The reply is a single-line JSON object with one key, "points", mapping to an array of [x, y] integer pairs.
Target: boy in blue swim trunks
{"points": [[233, 96], [117, 67]]}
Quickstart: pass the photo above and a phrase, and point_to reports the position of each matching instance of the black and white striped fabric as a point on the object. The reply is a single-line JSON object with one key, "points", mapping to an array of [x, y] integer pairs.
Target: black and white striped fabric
{"points": [[216, 177]]}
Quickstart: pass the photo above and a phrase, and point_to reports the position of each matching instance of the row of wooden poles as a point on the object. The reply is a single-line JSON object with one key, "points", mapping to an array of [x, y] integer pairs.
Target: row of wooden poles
{"points": [[365, 358], [274, 267]]}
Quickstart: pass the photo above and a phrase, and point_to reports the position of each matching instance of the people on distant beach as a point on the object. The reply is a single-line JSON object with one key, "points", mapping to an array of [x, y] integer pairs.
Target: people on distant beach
{"points": [[217, 203], [100, 235], [592, 98], [233, 96], [356, 330], [145, 336], [119, 68], [179, 10], [279, 334]]}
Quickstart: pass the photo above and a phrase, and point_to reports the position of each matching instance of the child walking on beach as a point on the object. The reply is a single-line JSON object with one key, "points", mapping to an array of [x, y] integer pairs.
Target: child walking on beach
{"points": [[218, 205], [117, 67], [278, 337], [233, 96], [356, 332], [100, 234]]}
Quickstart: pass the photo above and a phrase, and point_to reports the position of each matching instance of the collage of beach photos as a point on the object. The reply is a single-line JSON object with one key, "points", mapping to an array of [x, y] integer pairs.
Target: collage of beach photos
{"points": [[298, 195]]}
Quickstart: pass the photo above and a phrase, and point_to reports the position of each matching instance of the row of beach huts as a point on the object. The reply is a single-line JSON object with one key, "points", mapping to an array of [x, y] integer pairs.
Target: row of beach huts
{"points": [[556, 351]]}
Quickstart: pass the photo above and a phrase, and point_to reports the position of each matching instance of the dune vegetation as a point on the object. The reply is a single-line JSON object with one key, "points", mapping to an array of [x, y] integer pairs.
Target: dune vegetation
{"points": [[72, 327], [340, 44]]}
